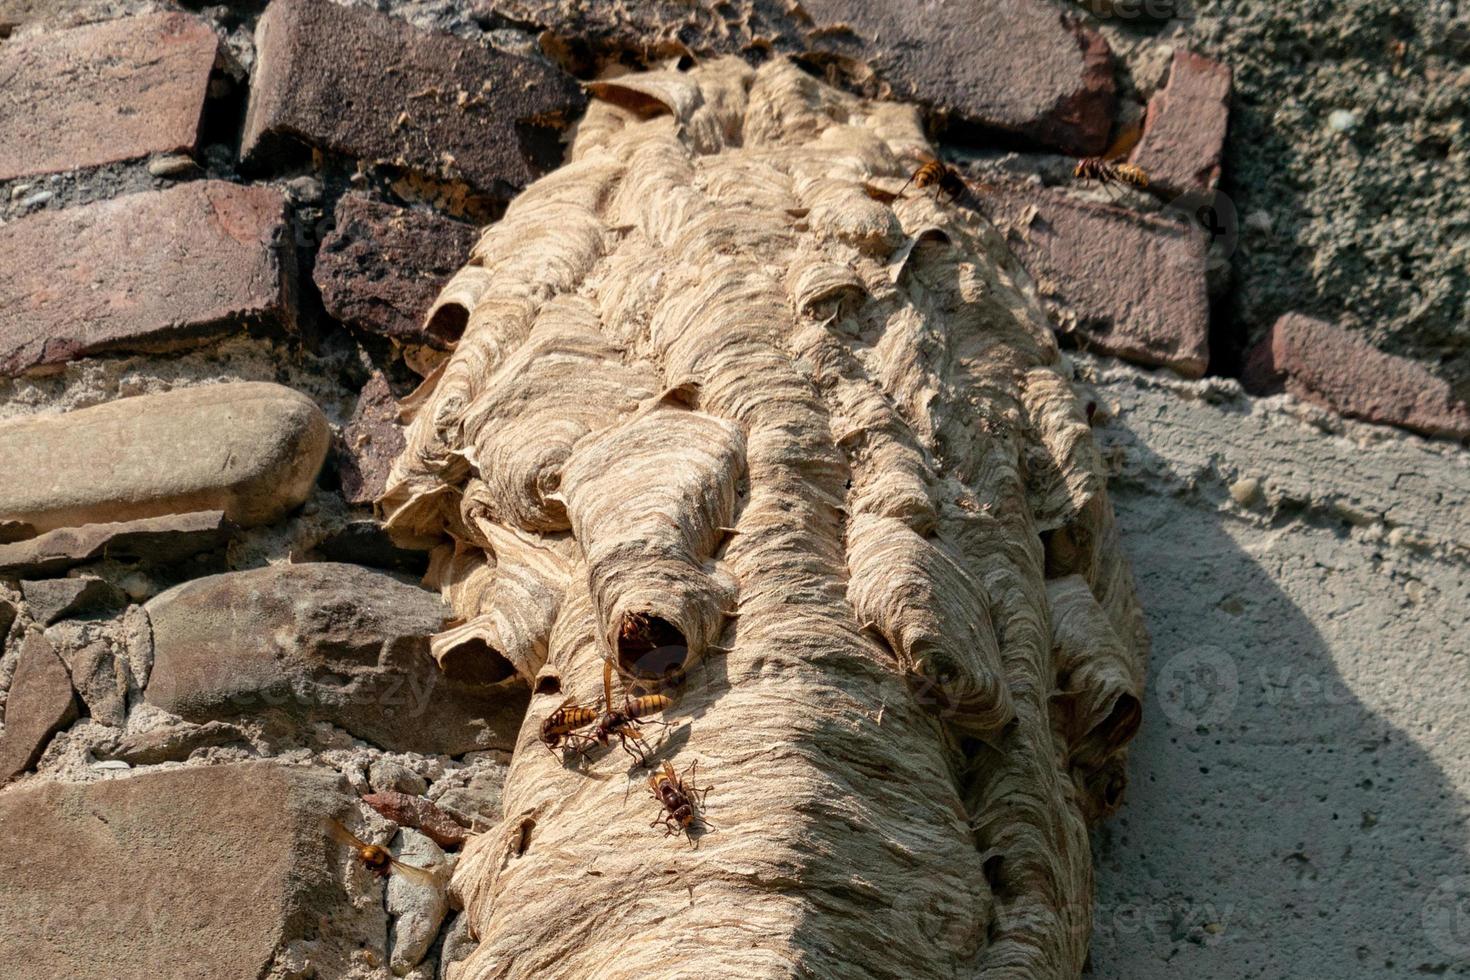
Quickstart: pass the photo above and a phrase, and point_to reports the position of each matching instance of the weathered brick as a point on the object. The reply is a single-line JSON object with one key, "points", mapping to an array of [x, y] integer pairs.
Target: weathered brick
{"points": [[61, 598], [370, 443], [381, 267], [421, 814], [1184, 131], [152, 539], [372, 87], [40, 704], [114, 91], [1019, 65], [1322, 363], [327, 642], [172, 744], [154, 271], [209, 872], [44, 14], [1130, 285]]}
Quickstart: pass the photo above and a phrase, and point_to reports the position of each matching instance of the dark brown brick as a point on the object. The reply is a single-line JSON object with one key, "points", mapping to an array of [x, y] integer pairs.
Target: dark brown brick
{"points": [[1018, 65], [373, 87], [40, 704], [365, 542], [114, 91], [147, 272], [358, 657], [381, 267], [51, 599], [370, 443], [1128, 284], [151, 539], [1184, 131], [1322, 363]]}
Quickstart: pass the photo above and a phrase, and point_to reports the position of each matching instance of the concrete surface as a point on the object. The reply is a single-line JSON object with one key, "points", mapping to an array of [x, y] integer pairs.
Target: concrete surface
{"points": [[1299, 790]]}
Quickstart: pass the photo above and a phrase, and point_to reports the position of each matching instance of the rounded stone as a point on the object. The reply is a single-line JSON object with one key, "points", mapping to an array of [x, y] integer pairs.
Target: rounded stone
{"points": [[385, 775], [1246, 491], [249, 449]]}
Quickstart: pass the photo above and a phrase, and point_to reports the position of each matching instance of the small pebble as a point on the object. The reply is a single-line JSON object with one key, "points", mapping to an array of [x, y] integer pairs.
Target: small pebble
{"points": [[1259, 221], [304, 190], [1246, 491], [111, 764], [172, 165], [386, 776], [37, 199], [1342, 121]]}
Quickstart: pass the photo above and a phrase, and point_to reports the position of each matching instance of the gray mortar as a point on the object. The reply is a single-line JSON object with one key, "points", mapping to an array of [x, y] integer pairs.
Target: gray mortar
{"points": [[1299, 789]]}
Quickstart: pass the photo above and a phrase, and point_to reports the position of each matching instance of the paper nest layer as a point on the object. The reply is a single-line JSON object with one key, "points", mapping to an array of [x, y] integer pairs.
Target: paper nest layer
{"points": [[725, 406]]}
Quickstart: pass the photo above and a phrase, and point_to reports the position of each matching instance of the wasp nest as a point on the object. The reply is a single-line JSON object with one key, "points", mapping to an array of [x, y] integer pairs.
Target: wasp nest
{"points": [[726, 410]]}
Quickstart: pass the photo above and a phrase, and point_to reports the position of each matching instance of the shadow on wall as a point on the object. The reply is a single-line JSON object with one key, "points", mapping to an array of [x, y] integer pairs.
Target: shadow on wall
{"points": [[1276, 825]]}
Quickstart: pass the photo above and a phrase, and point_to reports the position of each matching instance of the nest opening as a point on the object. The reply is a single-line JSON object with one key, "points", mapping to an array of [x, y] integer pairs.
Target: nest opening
{"points": [[990, 868], [651, 648], [1122, 723], [475, 662], [522, 842], [448, 323]]}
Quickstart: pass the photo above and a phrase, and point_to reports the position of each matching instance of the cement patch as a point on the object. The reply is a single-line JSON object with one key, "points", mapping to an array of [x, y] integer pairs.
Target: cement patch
{"points": [[1298, 796]]}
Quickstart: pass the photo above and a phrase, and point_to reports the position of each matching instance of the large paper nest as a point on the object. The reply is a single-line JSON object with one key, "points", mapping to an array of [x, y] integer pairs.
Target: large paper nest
{"points": [[728, 410]]}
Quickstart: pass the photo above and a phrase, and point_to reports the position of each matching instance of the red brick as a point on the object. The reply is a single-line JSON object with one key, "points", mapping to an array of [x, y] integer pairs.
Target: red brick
{"points": [[372, 87], [1322, 363], [155, 271], [1184, 131], [381, 267], [1130, 285], [370, 443], [19, 16], [420, 814], [109, 92], [39, 705]]}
